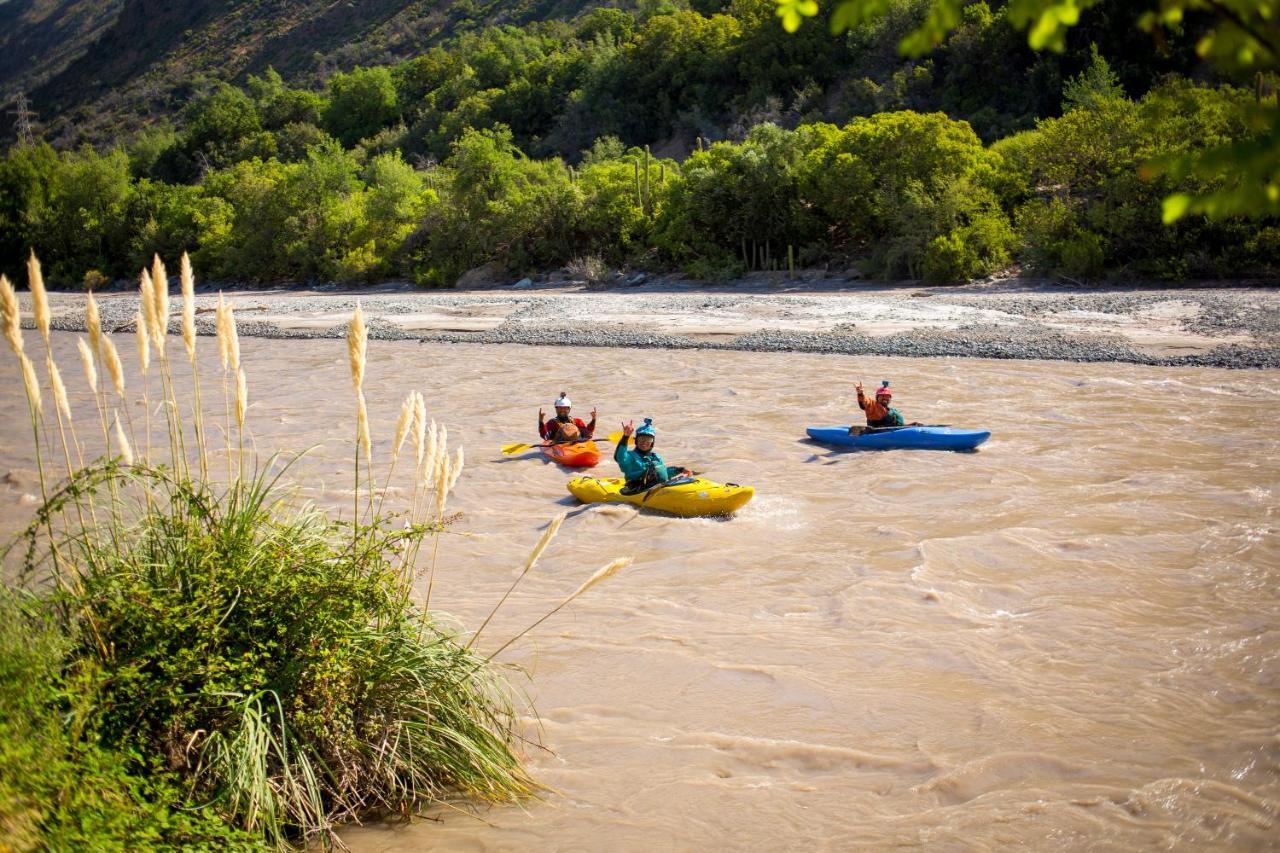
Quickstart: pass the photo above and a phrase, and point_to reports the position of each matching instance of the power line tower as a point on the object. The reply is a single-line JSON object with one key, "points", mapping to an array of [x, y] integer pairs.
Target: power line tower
{"points": [[22, 124]]}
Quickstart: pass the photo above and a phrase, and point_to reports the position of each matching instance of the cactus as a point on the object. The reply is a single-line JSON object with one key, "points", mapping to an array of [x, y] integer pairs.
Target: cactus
{"points": [[639, 198], [791, 261]]}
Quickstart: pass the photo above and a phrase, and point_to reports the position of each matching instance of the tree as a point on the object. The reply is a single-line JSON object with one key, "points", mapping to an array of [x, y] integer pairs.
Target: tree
{"points": [[1092, 87], [361, 103], [1244, 39]]}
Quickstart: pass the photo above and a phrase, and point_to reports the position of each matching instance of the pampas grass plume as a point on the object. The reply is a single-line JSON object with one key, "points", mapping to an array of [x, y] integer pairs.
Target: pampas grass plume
{"points": [[188, 308], [144, 341], [147, 303], [90, 368], [362, 427], [455, 470], [419, 426], [160, 293], [242, 398], [93, 322], [114, 369], [603, 573], [32, 384], [11, 318], [59, 390], [547, 536], [39, 297], [357, 346], [126, 453], [402, 426]]}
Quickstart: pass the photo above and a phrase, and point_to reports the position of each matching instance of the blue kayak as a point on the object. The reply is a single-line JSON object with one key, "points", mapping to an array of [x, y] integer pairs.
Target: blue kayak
{"points": [[902, 438]]}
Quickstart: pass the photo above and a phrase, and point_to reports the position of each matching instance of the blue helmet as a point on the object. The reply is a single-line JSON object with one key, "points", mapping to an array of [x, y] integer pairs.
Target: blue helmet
{"points": [[647, 429]]}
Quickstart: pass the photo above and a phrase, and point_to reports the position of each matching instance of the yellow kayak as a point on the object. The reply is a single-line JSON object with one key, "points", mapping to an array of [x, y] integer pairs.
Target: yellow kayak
{"points": [[689, 497]]}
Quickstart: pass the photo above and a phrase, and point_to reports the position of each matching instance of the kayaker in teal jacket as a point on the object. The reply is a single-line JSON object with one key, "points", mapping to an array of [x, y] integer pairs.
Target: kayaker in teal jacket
{"points": [[642, 467]]}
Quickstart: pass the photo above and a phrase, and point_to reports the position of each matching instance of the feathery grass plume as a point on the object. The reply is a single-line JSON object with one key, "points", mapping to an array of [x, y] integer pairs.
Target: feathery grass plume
{"points": [[39, 296], [160, 293], [402, 426], [419, 426], [242, 398], [188, 308], [90, 368], [357, 346], [455, 470], [147, 302], [220, 326], [126, 452], [114, 369], [59, 390], [93, 323], [12, 320], [442, 483], [32, 384], [233, 337], [144, 342], [362, 427], [547, 535], [429, 462]]}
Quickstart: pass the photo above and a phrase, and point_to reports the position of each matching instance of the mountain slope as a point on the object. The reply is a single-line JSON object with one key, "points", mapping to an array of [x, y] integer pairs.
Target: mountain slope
{"points": [[100, 65]]}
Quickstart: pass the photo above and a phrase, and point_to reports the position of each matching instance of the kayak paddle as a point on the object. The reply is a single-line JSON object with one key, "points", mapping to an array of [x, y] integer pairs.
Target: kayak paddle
{"points": [[520, 447]]}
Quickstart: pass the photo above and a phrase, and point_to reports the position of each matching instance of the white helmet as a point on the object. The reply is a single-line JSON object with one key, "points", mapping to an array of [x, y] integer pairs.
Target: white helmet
{"points": [[564, 401]]}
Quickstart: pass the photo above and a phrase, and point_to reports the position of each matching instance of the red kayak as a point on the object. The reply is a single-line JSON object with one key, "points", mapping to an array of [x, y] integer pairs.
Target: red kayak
{"points": [[577, 454]]}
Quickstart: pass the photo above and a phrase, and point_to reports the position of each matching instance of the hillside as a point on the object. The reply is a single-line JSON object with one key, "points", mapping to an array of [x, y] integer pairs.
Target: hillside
{"points": [[92, 68]]}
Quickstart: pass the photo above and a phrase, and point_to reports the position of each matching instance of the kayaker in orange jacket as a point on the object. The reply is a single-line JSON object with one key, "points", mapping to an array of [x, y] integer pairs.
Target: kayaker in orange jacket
{"points": [[563, 427], [879, 411]]}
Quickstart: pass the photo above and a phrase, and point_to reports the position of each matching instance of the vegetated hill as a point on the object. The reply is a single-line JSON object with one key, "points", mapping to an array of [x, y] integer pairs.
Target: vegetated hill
{"points": [[90, 68]]}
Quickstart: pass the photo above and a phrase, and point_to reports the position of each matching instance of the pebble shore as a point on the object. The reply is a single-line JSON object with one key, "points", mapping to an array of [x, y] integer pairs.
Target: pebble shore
{"points": [[970, 321]]}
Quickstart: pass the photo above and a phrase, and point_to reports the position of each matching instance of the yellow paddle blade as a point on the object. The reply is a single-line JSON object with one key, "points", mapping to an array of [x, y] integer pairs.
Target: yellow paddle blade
{"points": [[510, 449], [615, 437]]}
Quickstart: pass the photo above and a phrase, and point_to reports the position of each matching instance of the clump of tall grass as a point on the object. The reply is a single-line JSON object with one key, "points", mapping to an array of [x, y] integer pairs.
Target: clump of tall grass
{"points": [[270, 657]]}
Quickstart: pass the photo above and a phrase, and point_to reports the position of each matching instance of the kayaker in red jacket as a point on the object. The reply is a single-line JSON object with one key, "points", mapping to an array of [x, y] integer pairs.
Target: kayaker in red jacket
{"points": [[563, 427]]}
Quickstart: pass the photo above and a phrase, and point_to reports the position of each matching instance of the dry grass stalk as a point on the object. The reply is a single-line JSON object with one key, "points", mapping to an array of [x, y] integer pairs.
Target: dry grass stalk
{"points": [[11, 316], [32, 384], [90, 367], [529, 563], [357, 346], [242, 398], [39, 296], [114, 369], [126, 452], [604, 573], [93, 322], [188, 308]]}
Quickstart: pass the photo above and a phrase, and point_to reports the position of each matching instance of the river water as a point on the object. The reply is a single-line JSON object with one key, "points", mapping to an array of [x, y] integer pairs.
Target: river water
{"points": [[1067, 640]]}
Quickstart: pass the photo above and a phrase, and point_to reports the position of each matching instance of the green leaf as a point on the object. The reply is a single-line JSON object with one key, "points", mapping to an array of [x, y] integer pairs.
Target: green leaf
{"points": [[1175, 207]]}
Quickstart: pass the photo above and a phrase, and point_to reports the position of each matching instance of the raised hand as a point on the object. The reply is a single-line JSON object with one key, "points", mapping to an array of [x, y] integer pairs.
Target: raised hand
{"points": [[593, 413], [857, 386], [628, 428], [542, 416]]}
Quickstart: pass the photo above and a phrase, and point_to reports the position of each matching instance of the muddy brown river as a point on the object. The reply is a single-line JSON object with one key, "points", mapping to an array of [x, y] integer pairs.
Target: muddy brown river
{"points": [[1068, 640]]}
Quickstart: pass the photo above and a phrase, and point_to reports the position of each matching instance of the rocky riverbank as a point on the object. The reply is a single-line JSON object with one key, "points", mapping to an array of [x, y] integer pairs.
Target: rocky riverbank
{"points": [[1222, 327]]}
